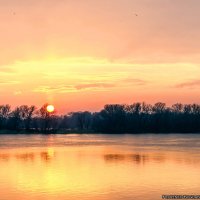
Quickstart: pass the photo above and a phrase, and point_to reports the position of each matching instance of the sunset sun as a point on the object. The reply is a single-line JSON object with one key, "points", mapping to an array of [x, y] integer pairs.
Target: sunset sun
{"points": [[50, 108]]}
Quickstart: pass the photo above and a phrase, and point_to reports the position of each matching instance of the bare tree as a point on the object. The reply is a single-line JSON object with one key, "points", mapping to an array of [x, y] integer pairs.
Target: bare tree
{"points": [[4, 115], [47, 118], [26, 114]]}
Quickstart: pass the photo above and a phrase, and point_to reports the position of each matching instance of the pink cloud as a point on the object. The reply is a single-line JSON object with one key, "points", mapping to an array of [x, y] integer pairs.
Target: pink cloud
{"points": [[189, 84]]}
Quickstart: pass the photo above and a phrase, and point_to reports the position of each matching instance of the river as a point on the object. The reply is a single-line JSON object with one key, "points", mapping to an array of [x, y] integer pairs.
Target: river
{"points": [[99, 166]]}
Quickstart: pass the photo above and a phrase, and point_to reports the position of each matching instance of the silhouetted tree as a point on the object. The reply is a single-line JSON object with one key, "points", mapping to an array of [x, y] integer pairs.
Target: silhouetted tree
{"points": [[14, 121], [113, 118], [4, 115], [26, 114], [46, 119], [134, 118]]}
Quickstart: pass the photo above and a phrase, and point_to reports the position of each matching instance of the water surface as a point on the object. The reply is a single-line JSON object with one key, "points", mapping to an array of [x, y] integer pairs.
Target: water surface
{"points": [[98, 167]]}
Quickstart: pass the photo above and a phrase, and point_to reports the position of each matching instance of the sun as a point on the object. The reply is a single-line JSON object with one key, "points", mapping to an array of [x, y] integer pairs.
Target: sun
{"points": [[50, 108]]}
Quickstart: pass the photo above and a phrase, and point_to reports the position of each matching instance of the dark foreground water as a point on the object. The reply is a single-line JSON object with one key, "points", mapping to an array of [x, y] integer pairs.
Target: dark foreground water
{"points": [[98, 167]]}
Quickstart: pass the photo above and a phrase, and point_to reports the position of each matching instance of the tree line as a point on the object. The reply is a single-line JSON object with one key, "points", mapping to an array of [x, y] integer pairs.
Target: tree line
{"points": [[113, 118]]}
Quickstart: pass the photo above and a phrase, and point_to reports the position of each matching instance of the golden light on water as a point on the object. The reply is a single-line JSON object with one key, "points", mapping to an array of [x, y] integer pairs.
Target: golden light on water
{"points": [[96, 170], [50, 108]]}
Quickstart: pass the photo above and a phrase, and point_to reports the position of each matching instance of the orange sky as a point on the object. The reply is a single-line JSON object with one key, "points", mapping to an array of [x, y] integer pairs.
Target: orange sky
{"points": [[83, 54]]}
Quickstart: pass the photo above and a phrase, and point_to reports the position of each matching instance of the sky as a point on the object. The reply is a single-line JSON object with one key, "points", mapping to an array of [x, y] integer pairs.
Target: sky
{"points": [[83, 54]]}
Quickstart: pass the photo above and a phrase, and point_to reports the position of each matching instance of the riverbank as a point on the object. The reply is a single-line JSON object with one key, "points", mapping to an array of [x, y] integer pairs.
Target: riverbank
{"points": [[14, 132]]}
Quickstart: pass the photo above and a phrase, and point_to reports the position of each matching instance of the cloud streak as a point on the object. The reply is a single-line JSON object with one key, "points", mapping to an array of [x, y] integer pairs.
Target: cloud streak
{"points": [[97, 86], [9, 82], [58, 89], [134, 81], [73, 88], [5, 69], [190, 84], [94, 85]]}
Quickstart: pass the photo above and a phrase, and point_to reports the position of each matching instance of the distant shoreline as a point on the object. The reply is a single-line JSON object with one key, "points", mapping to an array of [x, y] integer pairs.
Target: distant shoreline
{"points": [[12, 132], [135, 118]]}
